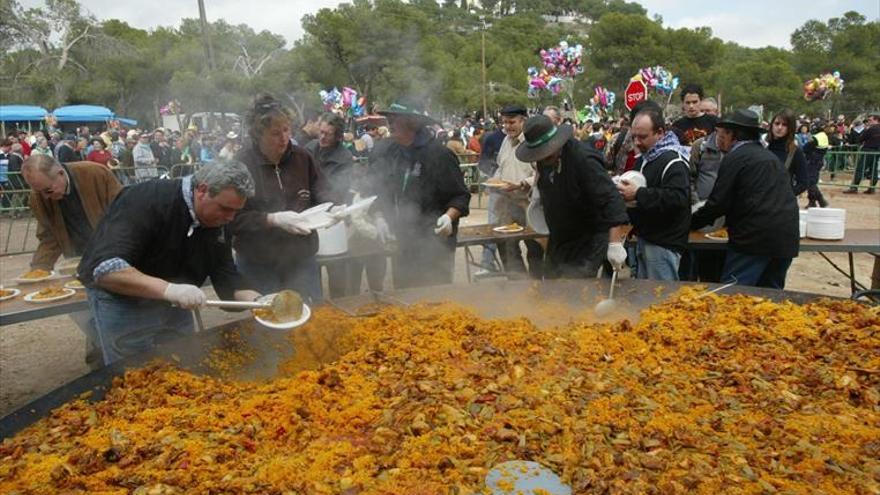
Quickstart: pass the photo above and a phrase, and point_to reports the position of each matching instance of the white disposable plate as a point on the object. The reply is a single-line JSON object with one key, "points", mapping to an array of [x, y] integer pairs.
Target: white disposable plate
{"points": [[319, 220], [535, 218], [307, 313], [358, 206], [320, 207], [67, 293], [503, 230], [524, 477], [826, 213], [34, 280], [75, 285], [15, 292]]}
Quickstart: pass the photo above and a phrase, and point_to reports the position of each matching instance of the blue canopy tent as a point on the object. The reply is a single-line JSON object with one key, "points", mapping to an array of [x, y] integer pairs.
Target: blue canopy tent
{"points": [[21, 113], [82, 113]]}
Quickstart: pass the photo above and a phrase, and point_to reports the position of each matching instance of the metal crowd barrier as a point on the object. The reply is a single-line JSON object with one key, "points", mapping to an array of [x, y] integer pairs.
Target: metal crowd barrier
{"points": [[849, 160], [469, 165], [18, 227]]}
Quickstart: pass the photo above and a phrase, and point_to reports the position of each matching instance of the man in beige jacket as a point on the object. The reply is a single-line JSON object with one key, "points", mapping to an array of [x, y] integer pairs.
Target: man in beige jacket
{"points": [[68, 201]]}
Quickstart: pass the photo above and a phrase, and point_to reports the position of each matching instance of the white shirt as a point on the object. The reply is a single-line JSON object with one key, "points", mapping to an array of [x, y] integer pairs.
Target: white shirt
{"points": [[510, 168], [510, 206]]}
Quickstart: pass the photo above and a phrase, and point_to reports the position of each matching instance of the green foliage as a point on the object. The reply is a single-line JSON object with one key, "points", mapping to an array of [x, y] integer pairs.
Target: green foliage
{"points": [[431, 50]]}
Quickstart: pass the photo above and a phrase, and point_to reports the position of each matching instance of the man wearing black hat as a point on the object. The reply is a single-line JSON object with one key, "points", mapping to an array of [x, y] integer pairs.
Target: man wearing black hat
{"points": [[584, 212], [422, 195], [754, 192], [512, 197]]}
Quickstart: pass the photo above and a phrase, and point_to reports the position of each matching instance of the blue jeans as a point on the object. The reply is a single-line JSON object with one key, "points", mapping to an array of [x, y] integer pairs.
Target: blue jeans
{"points": [[655, 262], [127, 326], [302, 275], [754, 270], [85, 322]]}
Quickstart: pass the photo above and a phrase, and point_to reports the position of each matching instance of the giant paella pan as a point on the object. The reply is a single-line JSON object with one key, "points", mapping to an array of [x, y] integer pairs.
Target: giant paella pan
{"points": [[425, 391]]}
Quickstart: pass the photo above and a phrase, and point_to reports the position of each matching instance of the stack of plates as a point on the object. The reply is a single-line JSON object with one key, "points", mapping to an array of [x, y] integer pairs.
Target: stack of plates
{"points": [[826, 223], [803, 223]]}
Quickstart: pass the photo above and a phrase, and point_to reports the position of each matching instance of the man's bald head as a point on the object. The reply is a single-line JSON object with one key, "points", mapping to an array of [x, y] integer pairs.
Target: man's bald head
{"points": [[45, 176], [40, 163]]}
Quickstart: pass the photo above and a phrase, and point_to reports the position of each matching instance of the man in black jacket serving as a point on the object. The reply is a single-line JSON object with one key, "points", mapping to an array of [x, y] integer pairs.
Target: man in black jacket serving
{"points": [[422, 195], [662, 209], [155, 246], [754, 191], [584, 213]]}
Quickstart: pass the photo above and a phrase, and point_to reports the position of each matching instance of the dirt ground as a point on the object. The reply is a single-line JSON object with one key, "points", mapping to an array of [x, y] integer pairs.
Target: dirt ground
{"points": [[39, 356]]}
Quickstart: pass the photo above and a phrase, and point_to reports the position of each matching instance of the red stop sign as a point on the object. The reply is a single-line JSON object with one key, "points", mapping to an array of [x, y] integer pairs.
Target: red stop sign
{"points": [[635, 92]]}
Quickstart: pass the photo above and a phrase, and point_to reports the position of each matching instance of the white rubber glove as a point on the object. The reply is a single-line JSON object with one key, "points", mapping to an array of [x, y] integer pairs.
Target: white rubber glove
{"points": [[616, 255], [444, 226], [289, 221], [382, 231], [184, 295], [336, 214]]}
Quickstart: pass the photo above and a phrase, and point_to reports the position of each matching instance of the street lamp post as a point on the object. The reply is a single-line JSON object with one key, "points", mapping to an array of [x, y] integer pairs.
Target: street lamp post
{"points": [[483, 67]]}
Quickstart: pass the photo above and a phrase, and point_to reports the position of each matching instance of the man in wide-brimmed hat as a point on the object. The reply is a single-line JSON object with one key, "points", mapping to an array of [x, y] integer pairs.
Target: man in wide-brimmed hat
{"points": [[753, 190], [422, 195], [584, 212]]}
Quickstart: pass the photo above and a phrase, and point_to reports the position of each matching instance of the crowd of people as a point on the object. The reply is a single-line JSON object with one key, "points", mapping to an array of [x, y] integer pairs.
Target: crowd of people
{"points": [[147, 246]]}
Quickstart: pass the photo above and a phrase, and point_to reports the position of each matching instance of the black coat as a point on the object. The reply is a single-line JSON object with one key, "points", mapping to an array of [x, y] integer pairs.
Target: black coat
{"points": [[147, 225], [296, 184], [416, 185], [754, 191], [797, 169], [579, 202], [337, 164], [663, 208]]}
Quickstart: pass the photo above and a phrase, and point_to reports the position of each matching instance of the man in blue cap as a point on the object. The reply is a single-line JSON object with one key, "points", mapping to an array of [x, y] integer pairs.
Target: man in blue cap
{"points": [[512, 197]]}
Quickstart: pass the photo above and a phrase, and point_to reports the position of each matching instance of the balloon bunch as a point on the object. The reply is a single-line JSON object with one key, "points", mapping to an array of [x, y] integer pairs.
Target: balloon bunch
{"points": [[657, 78], [599, 107], [558, 63], [346, 102], [171, 108], [539, 81], [820, 87], [603, 100]]}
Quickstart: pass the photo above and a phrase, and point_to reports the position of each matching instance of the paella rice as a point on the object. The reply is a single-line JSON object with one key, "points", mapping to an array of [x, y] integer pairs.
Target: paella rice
{"points": [[722, 394]]}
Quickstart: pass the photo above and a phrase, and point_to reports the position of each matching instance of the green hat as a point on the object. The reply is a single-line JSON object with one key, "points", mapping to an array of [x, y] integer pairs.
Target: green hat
{"points": [[407, 109], [542, 138]]}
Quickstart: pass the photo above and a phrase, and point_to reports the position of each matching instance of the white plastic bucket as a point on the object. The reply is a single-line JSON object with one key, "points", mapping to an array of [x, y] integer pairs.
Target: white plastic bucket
{"points": [[333, 240]]}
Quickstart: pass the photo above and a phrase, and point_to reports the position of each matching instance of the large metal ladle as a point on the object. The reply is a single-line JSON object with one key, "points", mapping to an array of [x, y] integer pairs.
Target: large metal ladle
{"points": [[285, 305], [607, 306]]}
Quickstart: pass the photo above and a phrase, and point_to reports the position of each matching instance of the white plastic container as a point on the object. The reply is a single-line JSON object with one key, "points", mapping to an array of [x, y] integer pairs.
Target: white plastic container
{"points": [[333, 240], [535, 217], [826, 223]]}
